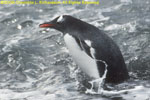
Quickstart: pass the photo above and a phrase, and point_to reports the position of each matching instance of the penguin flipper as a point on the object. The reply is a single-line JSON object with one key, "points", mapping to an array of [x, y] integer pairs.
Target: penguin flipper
{"points": [[84, 47]]}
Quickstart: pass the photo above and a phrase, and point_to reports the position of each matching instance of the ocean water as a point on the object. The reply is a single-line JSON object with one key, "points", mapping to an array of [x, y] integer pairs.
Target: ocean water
{"points": [[35, 63]]}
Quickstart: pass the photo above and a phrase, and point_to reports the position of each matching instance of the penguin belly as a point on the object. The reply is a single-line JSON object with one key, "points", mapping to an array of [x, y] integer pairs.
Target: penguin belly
{"points": [[85, 62]]}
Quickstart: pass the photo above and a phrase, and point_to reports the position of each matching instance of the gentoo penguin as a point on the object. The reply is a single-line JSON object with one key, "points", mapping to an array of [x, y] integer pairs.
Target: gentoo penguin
{"points": [[91, 48]]}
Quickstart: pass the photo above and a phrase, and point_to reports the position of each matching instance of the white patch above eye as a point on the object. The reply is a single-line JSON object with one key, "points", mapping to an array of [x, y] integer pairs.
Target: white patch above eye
{"points": [[60, 19]]}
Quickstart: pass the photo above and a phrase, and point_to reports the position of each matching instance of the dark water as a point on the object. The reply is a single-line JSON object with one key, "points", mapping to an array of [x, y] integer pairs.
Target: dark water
{"points": [[35, 64]]}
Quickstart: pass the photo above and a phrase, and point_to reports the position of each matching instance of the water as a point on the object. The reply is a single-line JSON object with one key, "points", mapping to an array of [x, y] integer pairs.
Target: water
{"points": [[35, 64]]}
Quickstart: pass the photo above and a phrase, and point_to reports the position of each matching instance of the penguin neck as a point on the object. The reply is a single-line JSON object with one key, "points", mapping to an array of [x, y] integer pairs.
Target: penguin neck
{"points": [[67, 32]]}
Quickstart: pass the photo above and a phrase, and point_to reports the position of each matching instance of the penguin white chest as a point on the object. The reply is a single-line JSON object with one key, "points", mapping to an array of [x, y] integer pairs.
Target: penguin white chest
{"points": [[84, 61]]}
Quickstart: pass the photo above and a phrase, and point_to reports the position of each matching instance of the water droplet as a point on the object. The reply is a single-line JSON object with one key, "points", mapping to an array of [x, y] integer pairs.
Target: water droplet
{"points": [[19, 27]]}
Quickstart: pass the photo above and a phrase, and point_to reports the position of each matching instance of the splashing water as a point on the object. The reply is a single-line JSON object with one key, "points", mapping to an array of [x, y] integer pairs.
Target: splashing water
{"points": [[44, 61], [100, 82]]}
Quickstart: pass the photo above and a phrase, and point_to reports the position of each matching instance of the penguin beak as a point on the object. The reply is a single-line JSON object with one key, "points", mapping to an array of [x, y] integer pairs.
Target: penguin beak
{"points": [[46, 25]]}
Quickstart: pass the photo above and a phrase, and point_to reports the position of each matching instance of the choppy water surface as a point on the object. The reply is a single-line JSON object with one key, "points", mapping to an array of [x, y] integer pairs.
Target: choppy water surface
{"points": [[35, 64]]}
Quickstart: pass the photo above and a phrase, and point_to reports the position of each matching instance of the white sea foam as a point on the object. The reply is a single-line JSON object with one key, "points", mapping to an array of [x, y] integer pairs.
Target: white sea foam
{"points": [[11, 42], [52, 88], [131, 26], [126, 1]]}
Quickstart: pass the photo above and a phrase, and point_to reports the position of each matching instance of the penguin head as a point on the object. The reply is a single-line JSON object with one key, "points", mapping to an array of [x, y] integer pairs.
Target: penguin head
{"points": [[63, 23]]}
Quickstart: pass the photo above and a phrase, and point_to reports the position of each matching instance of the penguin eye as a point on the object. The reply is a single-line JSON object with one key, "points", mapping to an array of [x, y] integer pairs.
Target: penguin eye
{"points": [[58, 22]]}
